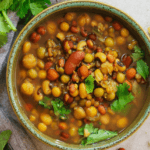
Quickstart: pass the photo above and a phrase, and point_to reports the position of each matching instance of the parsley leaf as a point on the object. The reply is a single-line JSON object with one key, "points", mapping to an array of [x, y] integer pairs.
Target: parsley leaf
{"points": [[5, 4], [124, 97], [46, 102], [138, 53], [59, 108], [95, 135], [4, 27], [89, 83], [4, 137], [142, 68], [3, 38]]}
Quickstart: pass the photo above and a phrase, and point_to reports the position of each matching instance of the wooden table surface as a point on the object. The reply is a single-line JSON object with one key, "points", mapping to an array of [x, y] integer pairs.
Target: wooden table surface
{"points": [[21, 139]]}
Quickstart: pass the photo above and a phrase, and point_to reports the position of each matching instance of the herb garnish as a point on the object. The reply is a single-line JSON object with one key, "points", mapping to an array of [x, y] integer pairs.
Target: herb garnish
{"points": [[4, 137], [124, 97], [142, 68], [95, 134], [89, 83], [138, 53], [46, 102]]}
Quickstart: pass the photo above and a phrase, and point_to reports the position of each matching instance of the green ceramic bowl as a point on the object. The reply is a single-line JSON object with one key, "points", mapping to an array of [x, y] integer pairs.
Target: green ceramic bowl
{"points": [[82, 5]]}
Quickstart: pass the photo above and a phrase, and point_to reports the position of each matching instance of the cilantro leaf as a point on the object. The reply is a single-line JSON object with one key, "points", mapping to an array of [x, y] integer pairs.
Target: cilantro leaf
{"points": [[99, 136], [95, 135], [142, 68], [3, 39], [59, 108], [5, 4], [89, 83], [4, 137], [4, 27], [138, 53], [124, 97], [46, 102]]}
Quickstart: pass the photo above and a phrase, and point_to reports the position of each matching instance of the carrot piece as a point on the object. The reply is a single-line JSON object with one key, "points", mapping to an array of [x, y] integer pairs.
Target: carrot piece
{"points": [[129, 83], [130, 73], [28, 107], [127, 60], [117, 26], [110, 58]]}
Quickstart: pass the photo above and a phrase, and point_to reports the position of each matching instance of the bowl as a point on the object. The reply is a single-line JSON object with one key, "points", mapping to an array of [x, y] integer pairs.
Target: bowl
{"points": [[82, 5]]}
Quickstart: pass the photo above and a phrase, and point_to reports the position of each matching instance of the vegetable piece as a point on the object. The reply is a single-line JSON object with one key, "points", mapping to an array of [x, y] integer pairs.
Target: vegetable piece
{"points": [[142, 68], [28, 107], [59, 108], [138, 53], [3, 38], [127, 60], [95, 134], [89, 83], [45, 102], [130, 73], [52, 74], [124, 97], [73, 61], [4, 137]]}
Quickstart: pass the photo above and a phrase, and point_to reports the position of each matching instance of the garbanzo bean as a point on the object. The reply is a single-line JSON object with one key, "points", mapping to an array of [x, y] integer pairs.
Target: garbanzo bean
{"points": [[82, 90], [98, 75], [91, 111], [32, 118], [64, 26], [35, 113], [120, 40], [65, 78], [56, 91], [122, 122], [42, 127], [32, 73], [94, 23], [73, 131], [120, 77], [111, 96], [124, 32], [51, 27], [88, 103], [29, 61], [83, 19], [27, 88], [88, 58], [99, 92], [42, 74], [41, 52], [79, 123], [46, 118], [22, 74], [26, 47], [40, 64], [70, 16], [79, 113], [105, 119], [109, 42]]}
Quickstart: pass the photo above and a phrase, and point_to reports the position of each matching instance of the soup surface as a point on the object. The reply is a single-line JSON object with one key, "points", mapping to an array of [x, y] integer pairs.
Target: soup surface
{"points": [[81, 77]]}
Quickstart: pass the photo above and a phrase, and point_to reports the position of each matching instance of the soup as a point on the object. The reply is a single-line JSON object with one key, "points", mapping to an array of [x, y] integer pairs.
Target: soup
{"points": [[81, 77]]}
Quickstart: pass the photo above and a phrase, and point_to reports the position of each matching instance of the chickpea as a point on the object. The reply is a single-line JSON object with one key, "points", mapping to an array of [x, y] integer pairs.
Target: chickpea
{"points": [[101, 56], [111, 96], [70, 16], [88, 58], [42, 127], [60, 36], [42, 74], [26, 47], [27, 88], [40, 64], [32, 73], [120, 40], [106, 68], [120, 77], [22, 74], [41, 52], [94, 23], [130, 46], [51, 27], [45, 87], [89, 96], [124, 32], [82, 90], [75, 94], [73, 131], [79, 123], [109, 42], [32, 118], [111, 30], [64, 26], [35, 113], [79, 113], [29, 61], [122, 122], [88, 103], [98, 75], [83, 19], [105, 119], [74, 104], [99, 18], [99, 92], [56, 91], [46, 118], [65, 78], [91, 111]]}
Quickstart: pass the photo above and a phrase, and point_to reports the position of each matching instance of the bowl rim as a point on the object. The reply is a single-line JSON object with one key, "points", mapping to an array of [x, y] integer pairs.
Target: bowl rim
{"points": [[9, 75]]}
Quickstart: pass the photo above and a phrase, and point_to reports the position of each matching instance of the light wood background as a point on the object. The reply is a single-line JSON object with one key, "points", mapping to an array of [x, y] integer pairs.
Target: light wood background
{"points": [[21, 139]]}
